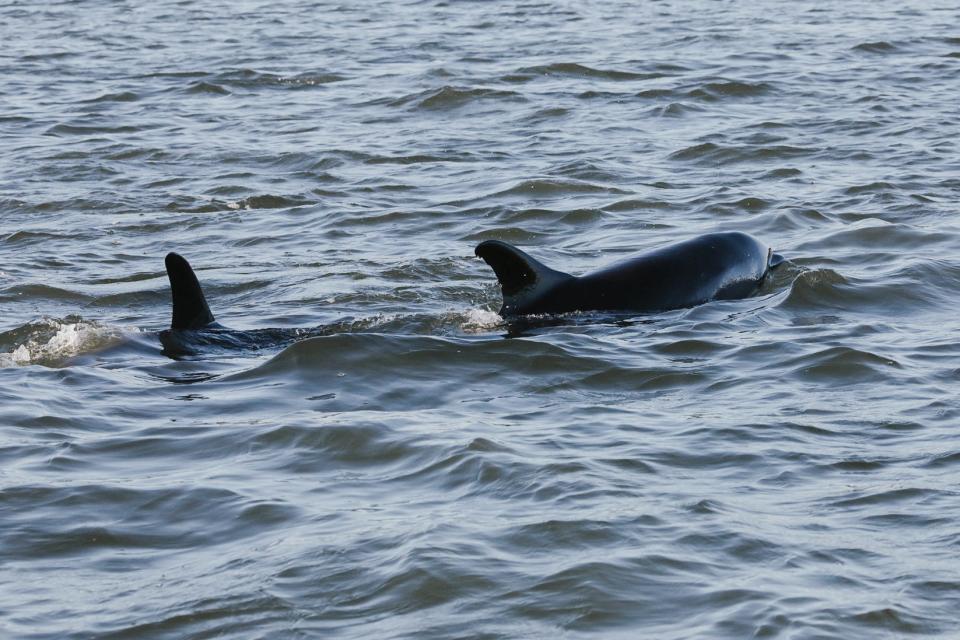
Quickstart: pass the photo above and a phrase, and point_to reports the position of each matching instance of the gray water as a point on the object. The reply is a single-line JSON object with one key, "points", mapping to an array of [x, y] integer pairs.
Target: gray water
{"points": [[785, 466]]}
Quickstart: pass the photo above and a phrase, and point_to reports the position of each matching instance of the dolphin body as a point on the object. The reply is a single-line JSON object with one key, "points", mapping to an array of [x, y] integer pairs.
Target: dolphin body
{"points": [[715, 266], [193, 326]]}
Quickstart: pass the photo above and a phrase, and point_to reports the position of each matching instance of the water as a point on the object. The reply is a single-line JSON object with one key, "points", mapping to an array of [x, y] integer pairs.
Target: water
{"points": [[783, 466]]}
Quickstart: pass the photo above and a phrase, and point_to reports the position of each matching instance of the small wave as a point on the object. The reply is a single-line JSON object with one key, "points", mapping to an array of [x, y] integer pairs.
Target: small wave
{"points": [[640, 204], [713, 91], [113, 517], [208, 87], [815, 288], [514, 234], [587, 170], [875, 47], [575, 217], [887, 497], [547, 114], [783, 172], [268, 201], [745, 204], [420, 158], [873, 187], [27, 237], [173, 74], [553, 186], [249, 78], [575, 70], [123, 96], [55, 55], [51, 342], [876, 235], [449, 97], [673, 110], [212, 205], [311, 79], [710, 153], [83, 129], [655, 93], [43, 291], [842, 365]]}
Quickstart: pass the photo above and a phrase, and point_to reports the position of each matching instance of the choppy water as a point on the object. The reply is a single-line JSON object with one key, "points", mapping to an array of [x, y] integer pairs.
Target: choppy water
{"points": [[784, 466]]}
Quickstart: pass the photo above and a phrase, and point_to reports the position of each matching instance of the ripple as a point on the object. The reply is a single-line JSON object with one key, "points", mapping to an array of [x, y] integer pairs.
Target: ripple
{"points": [[64, 129], [122, 96], [709, 153], [891, 497], [575, 70], [879, 46], [842, 365], [249, 78], [552, 187], [210, 88], [816, 288], [723, 90], [113, 517], [448, 98]]}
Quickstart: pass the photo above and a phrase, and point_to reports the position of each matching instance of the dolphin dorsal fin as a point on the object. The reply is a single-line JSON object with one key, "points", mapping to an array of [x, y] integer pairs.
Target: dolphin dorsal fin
{"points": [[521, 277], [190, 310]]}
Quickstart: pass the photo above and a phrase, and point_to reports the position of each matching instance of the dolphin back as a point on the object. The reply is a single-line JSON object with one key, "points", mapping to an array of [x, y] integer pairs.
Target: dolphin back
{"points": [[523, 280], [190, 310]]}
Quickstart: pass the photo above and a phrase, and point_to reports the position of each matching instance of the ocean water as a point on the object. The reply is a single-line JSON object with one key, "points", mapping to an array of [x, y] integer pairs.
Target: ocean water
{"points": [[402, 463]]}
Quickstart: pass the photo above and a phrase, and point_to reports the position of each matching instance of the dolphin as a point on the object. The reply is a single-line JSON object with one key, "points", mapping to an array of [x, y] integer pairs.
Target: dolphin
{"points": [[715, 266], [193, 325]]}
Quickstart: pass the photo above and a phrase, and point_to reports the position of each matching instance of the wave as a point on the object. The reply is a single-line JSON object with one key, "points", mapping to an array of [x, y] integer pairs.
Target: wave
{"points": [[251, 79], [575, 70], [709, 153], [449, 97], [879, 46], [191, 204], [724, 89]]}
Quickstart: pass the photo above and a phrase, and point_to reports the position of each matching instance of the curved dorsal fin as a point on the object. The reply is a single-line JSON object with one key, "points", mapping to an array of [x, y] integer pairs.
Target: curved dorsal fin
{"points": [[190, 310], [521, 277]]}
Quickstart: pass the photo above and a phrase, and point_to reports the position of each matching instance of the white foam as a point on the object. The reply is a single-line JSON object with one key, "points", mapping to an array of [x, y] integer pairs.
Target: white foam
{"points": [[54, 341], [381, 319], [476, 320]]}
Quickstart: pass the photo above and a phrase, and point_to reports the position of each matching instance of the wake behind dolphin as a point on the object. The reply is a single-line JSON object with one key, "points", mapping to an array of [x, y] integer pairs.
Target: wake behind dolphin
{"points": [[716, 266]]}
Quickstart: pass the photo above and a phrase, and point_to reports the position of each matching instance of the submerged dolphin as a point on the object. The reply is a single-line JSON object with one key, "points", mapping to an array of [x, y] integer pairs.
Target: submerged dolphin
{"points": [[716, 266]]}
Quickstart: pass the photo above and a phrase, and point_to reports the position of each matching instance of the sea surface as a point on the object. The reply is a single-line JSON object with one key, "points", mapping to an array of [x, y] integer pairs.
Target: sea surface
{"points": [[400, 462]]}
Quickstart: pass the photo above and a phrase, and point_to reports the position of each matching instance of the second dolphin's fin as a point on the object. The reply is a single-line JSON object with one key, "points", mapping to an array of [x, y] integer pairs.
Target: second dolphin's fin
{"points": [[522, 279], [190, 310]]}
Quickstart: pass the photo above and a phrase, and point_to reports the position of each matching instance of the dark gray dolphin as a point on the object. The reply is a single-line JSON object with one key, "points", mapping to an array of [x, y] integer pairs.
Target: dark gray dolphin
{"points": [[716, 266], [193, 327]]}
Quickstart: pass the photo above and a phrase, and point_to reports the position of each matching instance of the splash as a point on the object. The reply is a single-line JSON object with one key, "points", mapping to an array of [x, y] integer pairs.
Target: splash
{"points": [[51, 341], [480, 320]]}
